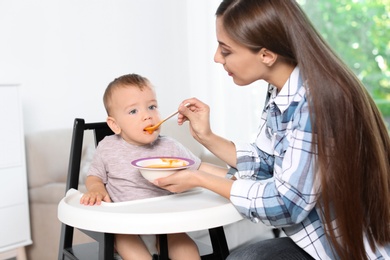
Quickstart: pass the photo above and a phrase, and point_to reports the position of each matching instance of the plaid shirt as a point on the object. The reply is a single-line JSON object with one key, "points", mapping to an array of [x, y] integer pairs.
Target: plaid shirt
{"points": [[276, 173]]}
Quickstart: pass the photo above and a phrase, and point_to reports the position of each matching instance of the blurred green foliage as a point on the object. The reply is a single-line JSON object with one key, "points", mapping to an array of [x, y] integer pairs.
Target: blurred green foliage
{"points": [[359, 32]]}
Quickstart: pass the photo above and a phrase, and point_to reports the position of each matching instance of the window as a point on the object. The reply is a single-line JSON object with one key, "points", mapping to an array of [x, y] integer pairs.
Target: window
{"points": [[359, 32]]}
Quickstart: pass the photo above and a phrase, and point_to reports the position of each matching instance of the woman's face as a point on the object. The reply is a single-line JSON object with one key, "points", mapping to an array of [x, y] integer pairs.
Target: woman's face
{"points": [[241, 63]]}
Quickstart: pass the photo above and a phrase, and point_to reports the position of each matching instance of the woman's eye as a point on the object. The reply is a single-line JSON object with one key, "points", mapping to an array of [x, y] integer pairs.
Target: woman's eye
{"points": [[153, 107], [225, 53], [132, 112]]}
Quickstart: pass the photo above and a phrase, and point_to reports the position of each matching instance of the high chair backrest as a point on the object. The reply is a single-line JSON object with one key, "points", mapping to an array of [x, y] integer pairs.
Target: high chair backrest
{"points": [[105, 241], [100, 130]]}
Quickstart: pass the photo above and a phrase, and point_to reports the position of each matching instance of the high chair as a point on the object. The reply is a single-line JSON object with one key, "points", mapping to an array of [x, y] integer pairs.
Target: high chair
{"points": [[103, 248]]}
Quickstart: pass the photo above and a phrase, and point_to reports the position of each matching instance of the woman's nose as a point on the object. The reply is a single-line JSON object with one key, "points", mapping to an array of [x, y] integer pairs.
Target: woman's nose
{"points": [[218, 58]]}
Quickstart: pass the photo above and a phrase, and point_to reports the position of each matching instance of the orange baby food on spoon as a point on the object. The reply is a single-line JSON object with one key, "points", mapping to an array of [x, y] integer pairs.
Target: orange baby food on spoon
{"points": [[151, 129]]}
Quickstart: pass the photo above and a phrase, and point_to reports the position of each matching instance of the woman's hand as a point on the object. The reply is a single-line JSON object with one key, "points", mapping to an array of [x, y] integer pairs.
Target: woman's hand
{"points": [[198, 113], [178, 182], [186, 179]]}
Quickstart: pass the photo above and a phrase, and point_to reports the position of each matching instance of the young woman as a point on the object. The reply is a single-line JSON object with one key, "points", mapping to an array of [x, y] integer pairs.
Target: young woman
{"points": [[322, 147]]}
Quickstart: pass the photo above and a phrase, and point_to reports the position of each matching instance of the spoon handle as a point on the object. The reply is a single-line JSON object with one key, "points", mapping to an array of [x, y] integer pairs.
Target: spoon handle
{"points": [[174, 113], [150, 129], [171, 115]]}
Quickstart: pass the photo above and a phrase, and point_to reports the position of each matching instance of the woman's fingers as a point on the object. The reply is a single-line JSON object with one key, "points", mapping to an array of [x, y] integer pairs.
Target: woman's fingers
{"points": [[177, 182]]}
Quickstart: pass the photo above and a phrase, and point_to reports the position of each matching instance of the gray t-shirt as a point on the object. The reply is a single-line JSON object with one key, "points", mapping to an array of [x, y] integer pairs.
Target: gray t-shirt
{"points": [[112, 163]]}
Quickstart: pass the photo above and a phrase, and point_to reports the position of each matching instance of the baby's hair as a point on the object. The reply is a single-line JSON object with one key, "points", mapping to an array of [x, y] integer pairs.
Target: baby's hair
{"points": [[129, 80]]}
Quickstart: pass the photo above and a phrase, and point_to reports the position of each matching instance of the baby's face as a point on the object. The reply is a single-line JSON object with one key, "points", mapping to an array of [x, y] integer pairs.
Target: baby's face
{"points": [[133, 110]]}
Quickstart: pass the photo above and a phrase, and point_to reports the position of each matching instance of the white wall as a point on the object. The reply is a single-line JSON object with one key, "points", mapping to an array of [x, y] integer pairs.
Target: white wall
{"points": [[64, 53]]}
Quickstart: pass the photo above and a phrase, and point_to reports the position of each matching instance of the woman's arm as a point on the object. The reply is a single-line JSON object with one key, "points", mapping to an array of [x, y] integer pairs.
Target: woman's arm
{"points": [[198, 114], [186, 179], [220, 147], [213, 169]]}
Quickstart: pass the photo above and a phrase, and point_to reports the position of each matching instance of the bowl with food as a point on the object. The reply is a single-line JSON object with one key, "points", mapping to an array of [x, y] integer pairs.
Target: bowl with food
{"points": [[152, 168]]}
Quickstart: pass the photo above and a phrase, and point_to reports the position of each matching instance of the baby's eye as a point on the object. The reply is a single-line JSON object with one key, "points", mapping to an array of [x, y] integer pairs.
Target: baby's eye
{"points": [[132, 112], [153, 107]]}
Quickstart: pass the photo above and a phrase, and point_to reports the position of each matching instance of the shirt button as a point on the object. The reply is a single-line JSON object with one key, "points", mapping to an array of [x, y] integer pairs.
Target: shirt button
{"points": [[255, 220]]}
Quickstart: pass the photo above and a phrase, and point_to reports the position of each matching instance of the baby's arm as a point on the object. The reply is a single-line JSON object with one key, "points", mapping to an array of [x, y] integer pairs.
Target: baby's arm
{"points": [[213, 169], [96, 192]]}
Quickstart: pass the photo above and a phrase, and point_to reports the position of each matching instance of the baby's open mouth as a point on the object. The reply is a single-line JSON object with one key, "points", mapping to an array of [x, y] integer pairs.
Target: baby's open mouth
{"points": [[150, 129]]}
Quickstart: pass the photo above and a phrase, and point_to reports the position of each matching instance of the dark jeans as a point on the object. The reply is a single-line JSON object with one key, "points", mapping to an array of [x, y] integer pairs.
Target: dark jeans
{"points": [[274, 249]]}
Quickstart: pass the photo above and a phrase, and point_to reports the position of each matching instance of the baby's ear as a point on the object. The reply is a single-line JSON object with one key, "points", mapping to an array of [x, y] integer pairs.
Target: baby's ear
{"points": [[113, 125]]}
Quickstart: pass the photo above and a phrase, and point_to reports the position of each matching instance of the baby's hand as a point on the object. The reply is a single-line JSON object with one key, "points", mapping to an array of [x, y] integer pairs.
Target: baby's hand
{"points": [[92, 198]]}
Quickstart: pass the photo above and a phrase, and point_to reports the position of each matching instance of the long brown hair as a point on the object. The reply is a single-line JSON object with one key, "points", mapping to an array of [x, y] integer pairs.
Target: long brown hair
{"points": [[353, 143]]}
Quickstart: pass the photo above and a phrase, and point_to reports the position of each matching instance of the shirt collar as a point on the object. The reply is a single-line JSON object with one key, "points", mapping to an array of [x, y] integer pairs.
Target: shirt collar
{"points": [[286, 95]]}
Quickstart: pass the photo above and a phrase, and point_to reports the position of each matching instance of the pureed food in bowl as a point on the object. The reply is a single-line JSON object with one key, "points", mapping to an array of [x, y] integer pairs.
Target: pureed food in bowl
{"points": [[168, 163], [157, 167]]}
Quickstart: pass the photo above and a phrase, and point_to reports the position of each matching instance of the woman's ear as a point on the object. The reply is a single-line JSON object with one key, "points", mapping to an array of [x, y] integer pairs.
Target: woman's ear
{"points": [[267, 57], [113, 125]]}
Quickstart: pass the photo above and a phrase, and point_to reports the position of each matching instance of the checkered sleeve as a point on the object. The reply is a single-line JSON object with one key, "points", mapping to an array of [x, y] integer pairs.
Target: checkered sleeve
{"points": [[283, 191]]}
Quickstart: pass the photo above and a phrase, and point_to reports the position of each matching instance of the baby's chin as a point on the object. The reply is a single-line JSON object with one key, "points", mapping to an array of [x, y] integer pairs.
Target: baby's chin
{"points": [[150, 138], [145, 139]]}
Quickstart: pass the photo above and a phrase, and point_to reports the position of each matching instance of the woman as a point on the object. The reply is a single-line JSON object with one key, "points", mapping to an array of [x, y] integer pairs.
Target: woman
{"points": [[322, 145]]}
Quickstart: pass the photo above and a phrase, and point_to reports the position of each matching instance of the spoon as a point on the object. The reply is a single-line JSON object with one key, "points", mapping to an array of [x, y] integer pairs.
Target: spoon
{"points": [[151, 129]]}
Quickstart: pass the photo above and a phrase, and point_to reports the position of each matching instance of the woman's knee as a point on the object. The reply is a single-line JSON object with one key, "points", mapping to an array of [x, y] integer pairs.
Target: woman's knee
{"points": [[247, 252], [278, 248]]}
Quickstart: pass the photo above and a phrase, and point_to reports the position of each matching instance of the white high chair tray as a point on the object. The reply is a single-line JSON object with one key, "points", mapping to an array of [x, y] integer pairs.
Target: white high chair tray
{"points": [[198, 209]]}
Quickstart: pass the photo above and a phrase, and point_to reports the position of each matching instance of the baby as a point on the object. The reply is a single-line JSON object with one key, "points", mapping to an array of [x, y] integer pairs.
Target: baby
{"points": [[131, 105]]}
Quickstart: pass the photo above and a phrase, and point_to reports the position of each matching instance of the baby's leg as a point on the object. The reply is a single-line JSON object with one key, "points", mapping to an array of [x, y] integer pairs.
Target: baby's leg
{"points": [[131, 247], [181, 246], [150, 242]]}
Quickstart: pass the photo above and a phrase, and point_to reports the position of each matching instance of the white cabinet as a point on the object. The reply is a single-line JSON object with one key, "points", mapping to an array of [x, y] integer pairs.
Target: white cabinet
{"points": [[14, 212]]}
